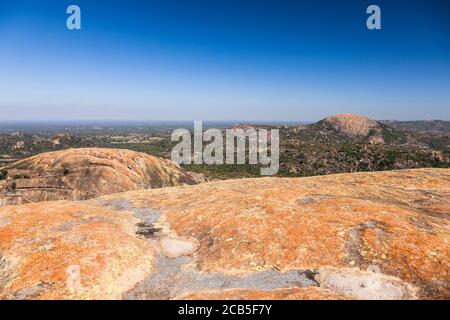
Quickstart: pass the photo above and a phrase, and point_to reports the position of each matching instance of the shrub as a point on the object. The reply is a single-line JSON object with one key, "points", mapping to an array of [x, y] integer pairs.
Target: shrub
{"points": [[3, 174], [21, 176]]}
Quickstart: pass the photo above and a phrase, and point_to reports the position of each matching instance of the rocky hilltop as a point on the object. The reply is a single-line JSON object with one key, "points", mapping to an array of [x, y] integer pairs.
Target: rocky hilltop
{"points": [[78, 174], [352, 143], [352, 124], [378, 235], [356, 128]]}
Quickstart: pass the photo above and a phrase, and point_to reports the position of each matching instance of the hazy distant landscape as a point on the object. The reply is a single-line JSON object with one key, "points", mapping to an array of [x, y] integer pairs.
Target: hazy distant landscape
{"points": [[306, 149]]}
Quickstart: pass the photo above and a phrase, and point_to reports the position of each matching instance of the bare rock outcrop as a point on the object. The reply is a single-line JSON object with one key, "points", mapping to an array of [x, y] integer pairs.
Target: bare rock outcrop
{"points": [[352, 124], [381, 235], [78, 174]]}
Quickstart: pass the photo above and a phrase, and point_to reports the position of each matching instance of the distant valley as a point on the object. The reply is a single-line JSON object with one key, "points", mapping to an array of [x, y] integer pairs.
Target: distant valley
{"points": [[336, 144]]}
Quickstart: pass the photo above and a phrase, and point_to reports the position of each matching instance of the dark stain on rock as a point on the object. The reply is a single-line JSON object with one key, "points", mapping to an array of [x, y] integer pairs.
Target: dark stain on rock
{"points": [[147, 230]]}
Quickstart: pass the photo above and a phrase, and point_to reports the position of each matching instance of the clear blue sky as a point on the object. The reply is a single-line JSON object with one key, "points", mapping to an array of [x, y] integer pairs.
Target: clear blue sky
{"points": [[218, 60]]}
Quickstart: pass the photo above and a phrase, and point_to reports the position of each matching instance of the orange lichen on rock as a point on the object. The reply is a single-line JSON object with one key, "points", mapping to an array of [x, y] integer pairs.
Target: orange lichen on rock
{"points": [[346, 220], [69, 250], [381, 235]]}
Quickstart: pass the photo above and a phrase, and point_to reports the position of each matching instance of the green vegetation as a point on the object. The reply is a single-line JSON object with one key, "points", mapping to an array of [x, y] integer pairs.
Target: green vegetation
{"points": [[226, 171], [3, 174], [21, 176], [391, 136], [160, 149], [314, 149]]}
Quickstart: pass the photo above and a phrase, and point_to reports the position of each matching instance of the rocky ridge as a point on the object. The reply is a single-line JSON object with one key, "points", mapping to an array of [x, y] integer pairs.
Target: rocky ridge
{"points": [[352, 124]]}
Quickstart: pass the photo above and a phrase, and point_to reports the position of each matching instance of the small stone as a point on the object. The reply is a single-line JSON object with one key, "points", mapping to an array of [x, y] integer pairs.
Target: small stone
{"points": [[174, 248]]}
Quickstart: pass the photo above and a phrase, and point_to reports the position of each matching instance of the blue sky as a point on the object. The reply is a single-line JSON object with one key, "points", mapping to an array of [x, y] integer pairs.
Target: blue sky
{"points": [[220, 60]]}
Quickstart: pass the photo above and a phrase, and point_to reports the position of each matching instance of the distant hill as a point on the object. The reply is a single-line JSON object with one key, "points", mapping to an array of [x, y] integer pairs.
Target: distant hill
{"points": [[352, 128], [349, 143]]}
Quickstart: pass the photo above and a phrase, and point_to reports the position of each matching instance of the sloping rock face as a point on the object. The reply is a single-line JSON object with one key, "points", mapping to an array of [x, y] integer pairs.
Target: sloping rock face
{"points": [[78, 174], [378, 235], [352, 124]]}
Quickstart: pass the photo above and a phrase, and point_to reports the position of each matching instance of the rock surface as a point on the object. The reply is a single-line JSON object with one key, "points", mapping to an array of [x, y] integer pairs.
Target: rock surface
{"points": [[78, 174], [352, 124], [378, 235], [64, 249]]}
